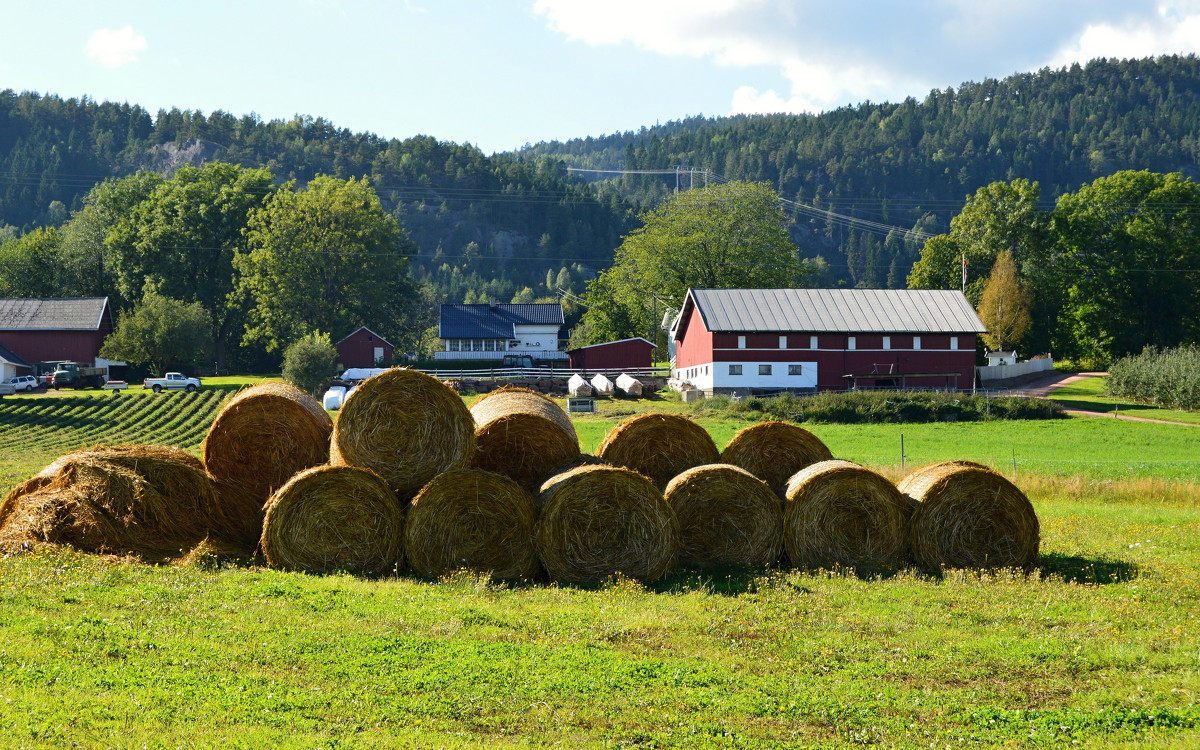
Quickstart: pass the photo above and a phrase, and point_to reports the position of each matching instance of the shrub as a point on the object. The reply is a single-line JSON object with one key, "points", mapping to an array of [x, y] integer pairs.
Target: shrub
{"points": [[876, 407], [309, 362]]}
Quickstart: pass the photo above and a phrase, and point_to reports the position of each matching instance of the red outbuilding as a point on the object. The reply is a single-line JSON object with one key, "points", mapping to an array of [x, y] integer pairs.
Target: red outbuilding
{"points": [[613, 356], [44, 330], [364, 348]]}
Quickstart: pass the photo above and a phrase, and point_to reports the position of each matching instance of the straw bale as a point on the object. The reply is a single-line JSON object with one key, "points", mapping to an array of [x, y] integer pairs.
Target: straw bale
{"points": [[597, 521], [523, 435], [152, 502], [659, 446], [405, 426], [577, 386], [331, 518], [629, 385], [727, 516], [468, 519], [774, 451], [261, 438], [968, 516], [838, 513]]}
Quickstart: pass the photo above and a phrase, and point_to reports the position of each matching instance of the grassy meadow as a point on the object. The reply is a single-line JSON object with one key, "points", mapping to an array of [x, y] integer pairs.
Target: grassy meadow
{"points": [[1098, 648]]}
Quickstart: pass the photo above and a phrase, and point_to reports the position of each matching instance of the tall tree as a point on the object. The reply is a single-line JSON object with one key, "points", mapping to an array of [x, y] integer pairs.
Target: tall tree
{"points": [[1004, 305], [327, 258], [29, 264]]}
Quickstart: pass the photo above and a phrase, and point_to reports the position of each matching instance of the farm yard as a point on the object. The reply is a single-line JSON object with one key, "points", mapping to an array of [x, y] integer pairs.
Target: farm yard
{"points": [[1096, 647]]}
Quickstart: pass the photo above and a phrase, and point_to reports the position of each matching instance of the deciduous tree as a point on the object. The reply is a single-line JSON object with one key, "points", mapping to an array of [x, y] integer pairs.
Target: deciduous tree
{"points": [[162, 333], [309, 361], [1004, 305]]}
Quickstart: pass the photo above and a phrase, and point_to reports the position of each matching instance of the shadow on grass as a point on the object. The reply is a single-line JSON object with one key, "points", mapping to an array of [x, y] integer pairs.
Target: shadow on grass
{"points": [[1075, 569]]}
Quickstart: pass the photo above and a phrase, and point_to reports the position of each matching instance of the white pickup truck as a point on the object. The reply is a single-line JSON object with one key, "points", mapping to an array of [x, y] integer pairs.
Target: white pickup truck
{"points": [[172, 381]]}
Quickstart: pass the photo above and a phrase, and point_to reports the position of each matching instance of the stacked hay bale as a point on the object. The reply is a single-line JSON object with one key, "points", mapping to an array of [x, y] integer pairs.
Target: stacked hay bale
{"points": [[774, 451], [152, 502], [629, 385], [405, 426], [727, 516], [332, 518], [259, 440], [965, 515], [602, 385], [840, 514], [468, 519], [523, 435], [578, 386], [598, 521], [659, 446]]}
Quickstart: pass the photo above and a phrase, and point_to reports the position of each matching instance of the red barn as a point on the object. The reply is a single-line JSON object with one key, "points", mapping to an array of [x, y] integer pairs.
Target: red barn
{"points": [[40, 330], [738, 340], [364, 348], [626, 354]]}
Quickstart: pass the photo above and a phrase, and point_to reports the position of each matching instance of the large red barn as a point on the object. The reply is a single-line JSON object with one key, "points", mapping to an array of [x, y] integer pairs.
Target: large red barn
{"points": [[41, 330], [611, 356], [364, 348], [738, 340]]}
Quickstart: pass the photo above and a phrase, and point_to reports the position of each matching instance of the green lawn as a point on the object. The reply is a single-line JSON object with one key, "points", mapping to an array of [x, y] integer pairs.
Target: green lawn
{"points": [[1090, 394]]}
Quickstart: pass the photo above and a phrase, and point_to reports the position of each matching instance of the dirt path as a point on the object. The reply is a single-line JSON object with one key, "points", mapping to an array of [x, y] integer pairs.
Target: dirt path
{"points": [[1048, 385]]}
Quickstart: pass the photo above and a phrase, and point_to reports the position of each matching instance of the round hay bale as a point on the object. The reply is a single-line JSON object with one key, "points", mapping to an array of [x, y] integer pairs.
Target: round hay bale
{"points": [[332, 518], [260, 439], [774, 451], [405, 426], [473, 520], [838, 513], [659, 446], [523, 435], [968, 516], [583, 459], [597, 521], [727, 516], [152, 502]]}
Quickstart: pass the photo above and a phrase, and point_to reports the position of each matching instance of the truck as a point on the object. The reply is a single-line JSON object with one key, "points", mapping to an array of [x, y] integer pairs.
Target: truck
{"points": [[78, 375], [172, 381]]}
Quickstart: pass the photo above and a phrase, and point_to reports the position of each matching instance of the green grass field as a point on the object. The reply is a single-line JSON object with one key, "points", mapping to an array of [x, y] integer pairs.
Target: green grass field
{"points": [[1091, 395], [1098, 648]]}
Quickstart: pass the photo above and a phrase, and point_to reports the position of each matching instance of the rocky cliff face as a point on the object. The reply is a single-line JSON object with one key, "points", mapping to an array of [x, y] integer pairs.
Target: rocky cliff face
{"points": [[167, 158]]}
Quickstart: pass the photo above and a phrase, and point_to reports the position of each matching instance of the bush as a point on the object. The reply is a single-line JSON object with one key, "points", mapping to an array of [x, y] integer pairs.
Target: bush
{"points": [[1168, 377], [309, 362], [875, 407]]}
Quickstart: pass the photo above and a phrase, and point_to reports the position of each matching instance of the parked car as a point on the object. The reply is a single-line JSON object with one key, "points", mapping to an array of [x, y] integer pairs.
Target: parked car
{"points": [[7, 389], [172, 381], [24, 383]]}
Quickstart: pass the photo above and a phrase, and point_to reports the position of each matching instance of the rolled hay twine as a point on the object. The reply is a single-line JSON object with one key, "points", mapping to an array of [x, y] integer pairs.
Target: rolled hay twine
{"points": [[153, 502], [333, 518], [838, 513], [774, 451], [597, 521], [966, 515], [405, 426], [727, 516], [469, 519], [523, 435], [659, 446], [261, 438]]}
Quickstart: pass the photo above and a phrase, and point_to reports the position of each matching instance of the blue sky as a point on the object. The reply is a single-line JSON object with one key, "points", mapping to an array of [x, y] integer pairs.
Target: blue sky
{"points": [[502, 73]]}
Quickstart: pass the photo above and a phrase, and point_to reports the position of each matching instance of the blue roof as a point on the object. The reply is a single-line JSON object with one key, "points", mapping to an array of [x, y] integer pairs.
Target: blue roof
{"points": [[495, 321]]}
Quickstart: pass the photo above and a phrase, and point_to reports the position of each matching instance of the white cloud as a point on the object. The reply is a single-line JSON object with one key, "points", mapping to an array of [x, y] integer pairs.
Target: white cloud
{"points": [[113, 48], [834, 54]]}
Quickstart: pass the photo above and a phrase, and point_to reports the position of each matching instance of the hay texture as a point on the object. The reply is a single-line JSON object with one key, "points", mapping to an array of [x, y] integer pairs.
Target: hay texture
{"points": [[523, 435], [151, 502], [727, 516], [405, 426], [968, 516], [774, 451], [659, 446], [838, 513], [261, 438], [597, 521], [467, 519], [332, 518]]}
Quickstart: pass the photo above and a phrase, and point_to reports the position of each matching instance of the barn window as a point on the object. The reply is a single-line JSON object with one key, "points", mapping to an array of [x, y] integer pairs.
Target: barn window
{"points": [[795, 369], [741, 342], [954, 342], [783, 342], [812, 342], [887, 342], [916, 342], [852, 342], [735, 369], [764, 369]]}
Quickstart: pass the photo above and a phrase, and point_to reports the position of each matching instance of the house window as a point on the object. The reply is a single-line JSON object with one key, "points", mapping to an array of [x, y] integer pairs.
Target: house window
{"points": [[887, 342], [795, 369], [851, 342], [764, 369], [954, 342], [453, 345], [916, 342], [812, 342], [735, 369], [783, 342], [741, 342]]}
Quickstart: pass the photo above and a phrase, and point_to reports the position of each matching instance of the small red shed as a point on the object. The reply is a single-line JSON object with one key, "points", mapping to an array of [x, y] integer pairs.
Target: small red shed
{"points": [[626, 354], [364, 348]]}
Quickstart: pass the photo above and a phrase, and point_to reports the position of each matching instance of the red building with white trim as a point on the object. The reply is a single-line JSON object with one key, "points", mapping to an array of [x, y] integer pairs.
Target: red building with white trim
{"points": [[364, 348], [613, 356], [741, 340], [42, 330]]}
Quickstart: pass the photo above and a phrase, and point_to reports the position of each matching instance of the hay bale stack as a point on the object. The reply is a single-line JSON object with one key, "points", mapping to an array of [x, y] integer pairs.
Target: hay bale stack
{"points": [[467, 519], [774, 451], [602, 385], [152, 502], [597, 521], [405, 426], [523, 435], [577, 386], [659, 446], [629, 385], [332, 518], [838, 513], [259, 440], [968, 516], [727, 516]]}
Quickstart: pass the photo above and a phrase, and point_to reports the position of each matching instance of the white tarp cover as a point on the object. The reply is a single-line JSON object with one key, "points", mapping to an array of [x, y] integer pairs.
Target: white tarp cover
{"points": [[361, 373], [577, 386], [332, 400], [602, 384], [629, 385]]}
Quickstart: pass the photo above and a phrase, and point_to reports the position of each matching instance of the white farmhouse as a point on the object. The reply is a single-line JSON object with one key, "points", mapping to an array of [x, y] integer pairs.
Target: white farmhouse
{"points": [[493, 331]]}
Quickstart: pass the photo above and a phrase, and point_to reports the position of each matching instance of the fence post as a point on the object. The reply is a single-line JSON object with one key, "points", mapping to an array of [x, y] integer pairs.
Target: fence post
{"points": [[1014, 461], [902, 451]]}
